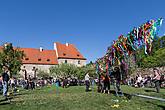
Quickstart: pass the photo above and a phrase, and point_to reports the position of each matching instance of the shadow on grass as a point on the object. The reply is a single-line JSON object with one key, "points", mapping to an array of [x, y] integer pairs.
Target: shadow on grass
{"points": [[5, 103], [128, 96], [159, 105], [149, 90]]}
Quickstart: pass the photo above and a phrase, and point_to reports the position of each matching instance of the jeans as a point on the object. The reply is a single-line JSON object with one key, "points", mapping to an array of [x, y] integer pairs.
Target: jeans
{"points": [[5, 88], [106, 85], [87, 83], [157, 86]]}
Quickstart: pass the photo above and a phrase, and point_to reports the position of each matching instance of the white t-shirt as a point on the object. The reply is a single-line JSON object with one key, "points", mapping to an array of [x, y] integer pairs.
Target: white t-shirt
{"points": [[139, 79], [87, 77]]}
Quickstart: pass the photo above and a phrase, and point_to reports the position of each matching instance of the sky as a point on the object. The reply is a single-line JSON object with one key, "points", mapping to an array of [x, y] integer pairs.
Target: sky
{"points": [[91, 25]]}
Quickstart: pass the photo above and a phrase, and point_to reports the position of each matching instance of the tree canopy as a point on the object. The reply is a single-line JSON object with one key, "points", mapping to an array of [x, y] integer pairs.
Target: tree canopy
{"points": [[157, 56], [11, 57], [69, 70]]}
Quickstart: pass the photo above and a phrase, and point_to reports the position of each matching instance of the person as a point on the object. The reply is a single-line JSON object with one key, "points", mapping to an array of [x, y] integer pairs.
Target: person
{"points": [[139, 80], [117, 76], [162, 79], [157, 79], [65, 82], [87, 82], [5, 79], [31, 82], [107, 83], [1, 86]]}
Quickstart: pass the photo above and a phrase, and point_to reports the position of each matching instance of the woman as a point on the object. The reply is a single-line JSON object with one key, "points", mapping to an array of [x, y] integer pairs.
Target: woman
{"points": [[107, 83], [157, 79]]}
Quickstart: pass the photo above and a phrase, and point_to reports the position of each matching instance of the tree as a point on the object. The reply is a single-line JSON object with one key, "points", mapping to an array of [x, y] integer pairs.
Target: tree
{"points": [[157, 56], [12, 58], [43, 74], [64, 70]]}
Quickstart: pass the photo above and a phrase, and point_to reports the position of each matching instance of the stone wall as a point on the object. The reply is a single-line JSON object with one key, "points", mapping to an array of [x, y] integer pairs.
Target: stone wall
{"points": [[149, 71]]}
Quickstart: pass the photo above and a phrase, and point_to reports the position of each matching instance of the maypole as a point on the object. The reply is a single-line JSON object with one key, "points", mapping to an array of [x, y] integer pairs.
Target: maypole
{"points": [[124, 47]]}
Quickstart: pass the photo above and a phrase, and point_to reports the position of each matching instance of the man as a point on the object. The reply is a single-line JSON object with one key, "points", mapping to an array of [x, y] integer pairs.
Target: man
{"points": [[5, 79], [87, 82], [157, 79]]}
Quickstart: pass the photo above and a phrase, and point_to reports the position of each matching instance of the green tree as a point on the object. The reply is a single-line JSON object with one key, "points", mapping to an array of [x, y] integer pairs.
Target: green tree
{"points": [[43, 74], [11, 57], [64, 70], [155, 58]]}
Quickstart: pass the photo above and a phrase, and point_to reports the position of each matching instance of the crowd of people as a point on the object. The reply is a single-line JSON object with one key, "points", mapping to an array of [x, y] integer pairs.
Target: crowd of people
{"points": [[156, 80], [114, 79]]}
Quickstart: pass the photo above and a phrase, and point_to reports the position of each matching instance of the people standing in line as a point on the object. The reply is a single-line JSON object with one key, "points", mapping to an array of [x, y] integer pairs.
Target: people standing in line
{"points": [[156, 79], [87, 82], [5, 79]]}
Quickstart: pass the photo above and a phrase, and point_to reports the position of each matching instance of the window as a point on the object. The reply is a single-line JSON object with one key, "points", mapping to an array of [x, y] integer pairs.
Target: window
{"points": [[65, 61], [79, 62], [64, 54], [78, 55], [39, 59], [26, 58], [48, 59]]}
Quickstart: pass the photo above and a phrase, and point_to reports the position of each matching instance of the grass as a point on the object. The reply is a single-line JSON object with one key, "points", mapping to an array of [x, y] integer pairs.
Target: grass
{"points": [[75, 98]]}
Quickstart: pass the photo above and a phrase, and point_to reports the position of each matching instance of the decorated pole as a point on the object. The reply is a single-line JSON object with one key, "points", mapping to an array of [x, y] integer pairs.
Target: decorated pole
{"points": [[124, 47], [119, 52]]}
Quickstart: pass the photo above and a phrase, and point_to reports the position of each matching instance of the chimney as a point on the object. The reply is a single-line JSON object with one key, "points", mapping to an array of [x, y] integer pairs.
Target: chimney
{"points": [[67, 44], [55, 48], [41, 49]]}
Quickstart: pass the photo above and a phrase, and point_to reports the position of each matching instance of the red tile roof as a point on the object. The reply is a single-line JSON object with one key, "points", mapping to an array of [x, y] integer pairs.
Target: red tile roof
{"points": [[68, 51], [35, 56]]}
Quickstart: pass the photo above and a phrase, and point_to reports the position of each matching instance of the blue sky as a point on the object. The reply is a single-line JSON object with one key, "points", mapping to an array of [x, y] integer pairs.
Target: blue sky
{"points": [[89, 24]]}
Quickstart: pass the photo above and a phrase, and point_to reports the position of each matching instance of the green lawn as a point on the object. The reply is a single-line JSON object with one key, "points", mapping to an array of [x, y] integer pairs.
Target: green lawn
{"points": [[75, 98]]}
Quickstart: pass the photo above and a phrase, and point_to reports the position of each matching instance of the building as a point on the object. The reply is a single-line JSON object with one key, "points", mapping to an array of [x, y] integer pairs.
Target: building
{"points": [[67, 53], [42, 59]]}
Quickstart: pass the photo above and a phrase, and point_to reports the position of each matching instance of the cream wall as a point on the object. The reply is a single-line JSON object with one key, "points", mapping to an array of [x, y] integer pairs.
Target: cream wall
{"points": [[73, 61], [29, 68], [45, 68]]}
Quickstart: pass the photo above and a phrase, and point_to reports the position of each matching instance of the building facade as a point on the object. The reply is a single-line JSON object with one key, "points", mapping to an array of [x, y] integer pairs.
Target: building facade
{"points": [[41, 59]]}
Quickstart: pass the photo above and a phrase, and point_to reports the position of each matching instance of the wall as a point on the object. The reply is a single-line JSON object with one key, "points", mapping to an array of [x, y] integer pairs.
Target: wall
{"points": [[149, 71], [29, 68], [73, 61]]}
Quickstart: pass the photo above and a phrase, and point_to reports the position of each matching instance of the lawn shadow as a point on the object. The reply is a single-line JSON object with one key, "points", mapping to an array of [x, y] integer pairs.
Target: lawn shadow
{"points": [[161, 106], [149, 90], [5, 103], [114, 93]]}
